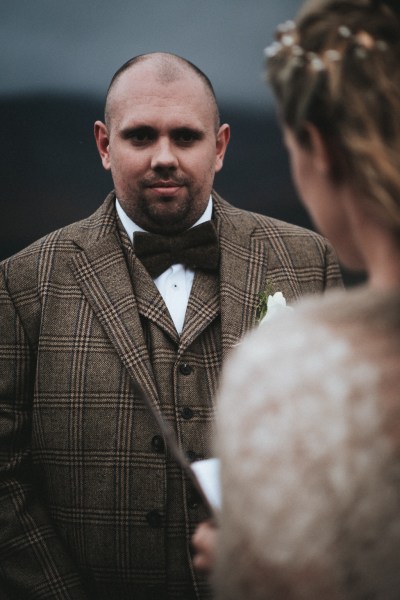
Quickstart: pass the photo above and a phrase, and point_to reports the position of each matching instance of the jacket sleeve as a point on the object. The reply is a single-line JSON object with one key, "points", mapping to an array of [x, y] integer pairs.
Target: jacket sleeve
{"points": [[33, 562]]}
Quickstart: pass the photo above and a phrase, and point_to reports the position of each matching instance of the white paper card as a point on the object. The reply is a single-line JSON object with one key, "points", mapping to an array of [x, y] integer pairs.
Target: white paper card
{"points": [[207, 474]]}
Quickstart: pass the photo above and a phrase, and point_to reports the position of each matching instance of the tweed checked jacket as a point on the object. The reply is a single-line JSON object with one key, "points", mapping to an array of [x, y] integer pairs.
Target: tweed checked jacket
{"points": [[91, 504]]}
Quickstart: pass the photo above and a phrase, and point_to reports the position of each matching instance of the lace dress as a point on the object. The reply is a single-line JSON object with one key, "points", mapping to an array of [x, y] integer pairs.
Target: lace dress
{"points": [[308, 431]]}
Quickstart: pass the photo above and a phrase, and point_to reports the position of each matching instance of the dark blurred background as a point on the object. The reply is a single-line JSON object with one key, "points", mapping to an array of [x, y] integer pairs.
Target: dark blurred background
{"points": [[56, 61]]}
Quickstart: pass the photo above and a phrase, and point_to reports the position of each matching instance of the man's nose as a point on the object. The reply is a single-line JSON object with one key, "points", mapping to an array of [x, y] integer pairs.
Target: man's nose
{"points": [[164, 155]]}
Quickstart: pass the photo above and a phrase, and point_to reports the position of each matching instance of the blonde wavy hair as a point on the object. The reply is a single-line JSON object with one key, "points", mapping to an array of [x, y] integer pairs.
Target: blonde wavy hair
{"points": [[337, 67]]}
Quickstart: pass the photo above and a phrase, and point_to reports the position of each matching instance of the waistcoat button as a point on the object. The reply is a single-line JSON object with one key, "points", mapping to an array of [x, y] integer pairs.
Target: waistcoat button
{"points": [[193, 502], [158, 444], [185, 369], [154, 519], [194, 498], [186, 413]]}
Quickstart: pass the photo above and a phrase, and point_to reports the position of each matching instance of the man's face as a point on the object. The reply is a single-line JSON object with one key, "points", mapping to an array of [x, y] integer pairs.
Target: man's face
{"points": [[161, 147]]}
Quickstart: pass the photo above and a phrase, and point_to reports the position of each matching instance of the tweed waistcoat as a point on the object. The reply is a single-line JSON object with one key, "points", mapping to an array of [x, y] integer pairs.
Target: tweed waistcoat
{"points": [[186, 370]]}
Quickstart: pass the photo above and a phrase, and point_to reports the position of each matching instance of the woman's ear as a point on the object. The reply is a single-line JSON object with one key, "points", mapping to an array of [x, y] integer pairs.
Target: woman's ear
{"points": [[319, 150]]}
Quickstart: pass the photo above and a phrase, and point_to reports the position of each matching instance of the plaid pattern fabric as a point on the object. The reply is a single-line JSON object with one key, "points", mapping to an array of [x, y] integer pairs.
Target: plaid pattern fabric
{"points": [[91, 506]]}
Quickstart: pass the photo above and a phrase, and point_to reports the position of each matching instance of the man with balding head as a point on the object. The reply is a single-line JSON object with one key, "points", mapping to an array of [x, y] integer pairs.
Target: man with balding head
{"points": [[127, 314]]}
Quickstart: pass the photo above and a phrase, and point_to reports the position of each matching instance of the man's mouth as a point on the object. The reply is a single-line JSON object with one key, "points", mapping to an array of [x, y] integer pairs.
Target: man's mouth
{"points": [[166, 188]]}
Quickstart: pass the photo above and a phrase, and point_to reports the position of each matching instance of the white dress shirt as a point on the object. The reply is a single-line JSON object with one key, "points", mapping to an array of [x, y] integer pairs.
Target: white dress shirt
{"points": [[175, 283]]}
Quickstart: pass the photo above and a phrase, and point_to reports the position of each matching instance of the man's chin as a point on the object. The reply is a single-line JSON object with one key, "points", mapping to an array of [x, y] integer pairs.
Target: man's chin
{"points": [[170, 218]]}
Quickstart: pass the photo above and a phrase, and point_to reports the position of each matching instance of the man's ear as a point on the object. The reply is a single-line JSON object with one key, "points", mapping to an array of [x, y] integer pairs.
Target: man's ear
{"points": [[223, 136], [102, 142]]}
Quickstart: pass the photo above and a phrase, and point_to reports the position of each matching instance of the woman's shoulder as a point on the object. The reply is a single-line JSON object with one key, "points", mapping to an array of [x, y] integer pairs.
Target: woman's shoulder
{"points": [[366, 320], [362, 305], [321, 339]]}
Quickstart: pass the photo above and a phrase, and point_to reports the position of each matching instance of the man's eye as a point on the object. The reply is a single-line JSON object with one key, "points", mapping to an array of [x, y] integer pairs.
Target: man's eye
{"points": [[186, 137], [141, 136]]}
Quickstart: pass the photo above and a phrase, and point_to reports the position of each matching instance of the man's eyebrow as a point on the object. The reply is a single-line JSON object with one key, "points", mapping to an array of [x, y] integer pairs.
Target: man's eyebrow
{"points": [[137, 129], [193, 131], [148, 131]]}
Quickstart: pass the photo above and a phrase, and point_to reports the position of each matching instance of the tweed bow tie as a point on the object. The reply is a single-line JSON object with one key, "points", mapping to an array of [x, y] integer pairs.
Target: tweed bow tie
{"points": [[196, 248]]}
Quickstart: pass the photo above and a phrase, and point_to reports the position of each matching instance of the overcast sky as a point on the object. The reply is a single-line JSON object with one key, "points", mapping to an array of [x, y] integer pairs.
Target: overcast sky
{"points": [[76, 45]]}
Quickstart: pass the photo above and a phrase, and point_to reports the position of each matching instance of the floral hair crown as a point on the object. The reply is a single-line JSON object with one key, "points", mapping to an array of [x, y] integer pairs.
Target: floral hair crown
{"points": [[286, 42]]}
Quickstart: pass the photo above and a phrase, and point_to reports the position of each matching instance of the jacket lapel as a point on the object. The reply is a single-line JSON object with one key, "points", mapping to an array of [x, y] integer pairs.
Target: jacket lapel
{"points": [[150, 303], [253, 255], [244, 260], [100, 269], [202, 309]]}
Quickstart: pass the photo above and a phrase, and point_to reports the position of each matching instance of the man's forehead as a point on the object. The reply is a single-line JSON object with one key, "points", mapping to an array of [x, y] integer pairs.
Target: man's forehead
{"points": [[143, 98], [162, 117]]}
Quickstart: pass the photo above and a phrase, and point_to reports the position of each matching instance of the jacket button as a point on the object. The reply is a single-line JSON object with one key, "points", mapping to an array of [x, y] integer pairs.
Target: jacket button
{"points": [[154, 519], [186, 413], [185, 369], [158, 444]]}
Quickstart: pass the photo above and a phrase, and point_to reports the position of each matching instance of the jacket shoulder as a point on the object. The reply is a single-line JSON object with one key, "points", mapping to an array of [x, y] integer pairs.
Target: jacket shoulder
{"points": [[264, 226], [31, 266], [101, 222]]}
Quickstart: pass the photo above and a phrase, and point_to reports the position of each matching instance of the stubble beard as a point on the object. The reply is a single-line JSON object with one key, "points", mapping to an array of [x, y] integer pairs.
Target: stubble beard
{"points": [[165, 215]]}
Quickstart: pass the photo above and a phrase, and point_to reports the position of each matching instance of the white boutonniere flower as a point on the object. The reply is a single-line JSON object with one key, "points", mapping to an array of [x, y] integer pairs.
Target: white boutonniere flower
{"points": [[276, 303], [270, 302]]}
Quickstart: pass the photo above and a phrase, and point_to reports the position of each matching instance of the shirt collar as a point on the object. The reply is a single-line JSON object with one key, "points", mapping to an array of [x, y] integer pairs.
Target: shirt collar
{"points": [[130, 226]]}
